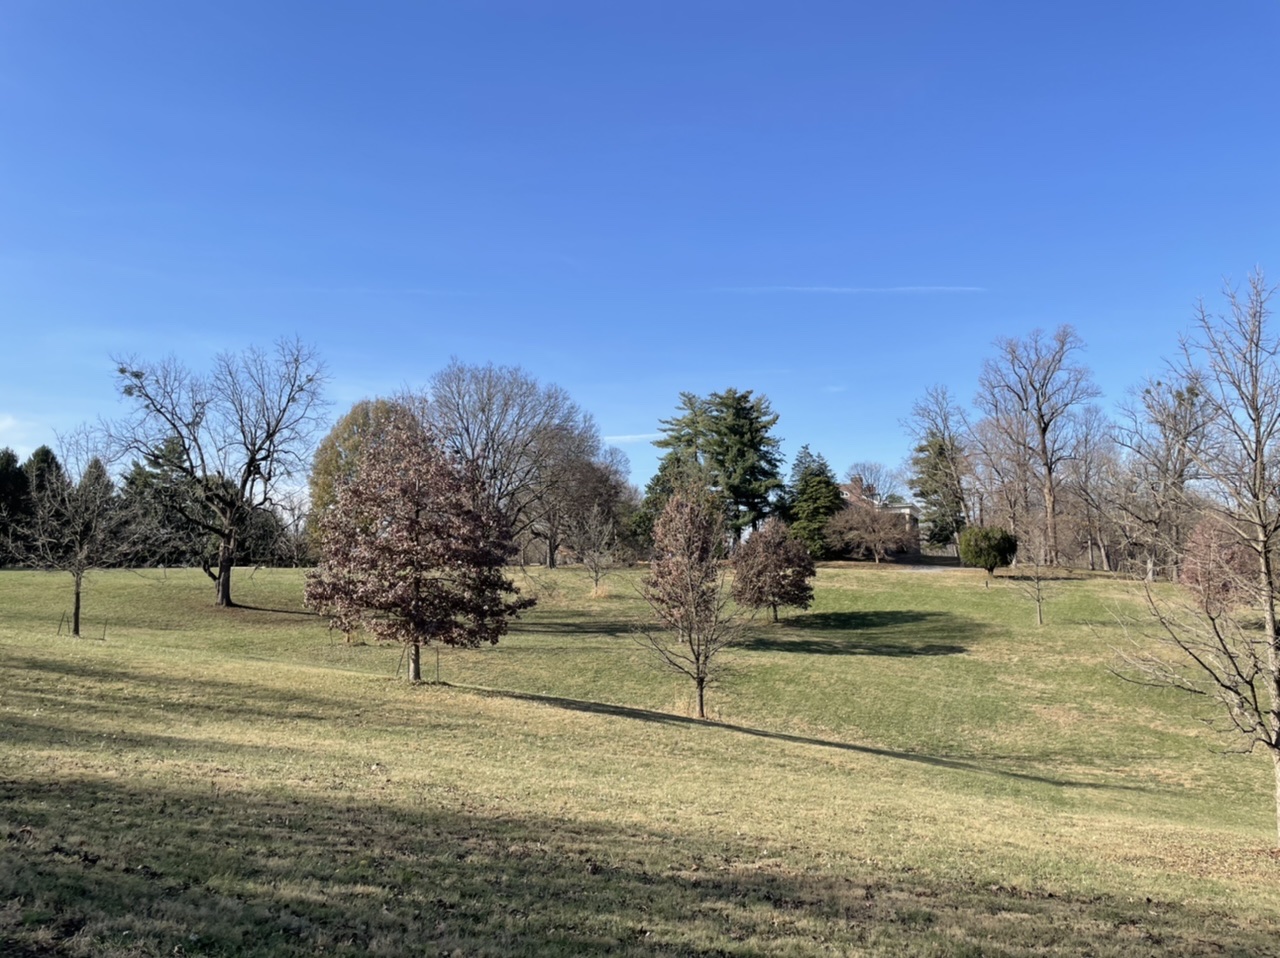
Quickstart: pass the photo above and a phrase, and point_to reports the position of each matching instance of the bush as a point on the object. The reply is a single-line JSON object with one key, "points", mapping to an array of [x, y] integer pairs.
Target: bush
{"points": [[986, 548]]}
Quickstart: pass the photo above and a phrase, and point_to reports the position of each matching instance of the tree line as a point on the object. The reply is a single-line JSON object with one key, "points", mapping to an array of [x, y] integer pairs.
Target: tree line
{"points": [[1182, 484]]}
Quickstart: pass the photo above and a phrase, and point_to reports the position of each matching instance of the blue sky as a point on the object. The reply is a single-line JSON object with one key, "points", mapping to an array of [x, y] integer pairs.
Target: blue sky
{"points": [[835, 204]]}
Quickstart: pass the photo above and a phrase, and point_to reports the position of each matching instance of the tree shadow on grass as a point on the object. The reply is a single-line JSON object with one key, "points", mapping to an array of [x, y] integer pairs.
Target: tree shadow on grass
{"points": [[308, 613], [666, 718], [133, 866], [885, 632], [563, 625]]}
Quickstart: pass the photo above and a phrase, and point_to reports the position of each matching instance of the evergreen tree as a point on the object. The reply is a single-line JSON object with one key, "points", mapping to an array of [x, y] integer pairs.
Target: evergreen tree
{"points": [[42, 468], [727, 436], [987, 547], [73, 526], [935, 472], [14, 502], [814, 497]]}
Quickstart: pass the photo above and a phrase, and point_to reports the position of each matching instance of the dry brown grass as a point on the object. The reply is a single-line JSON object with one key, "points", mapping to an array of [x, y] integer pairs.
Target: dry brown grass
{"points": [[897, 772]]}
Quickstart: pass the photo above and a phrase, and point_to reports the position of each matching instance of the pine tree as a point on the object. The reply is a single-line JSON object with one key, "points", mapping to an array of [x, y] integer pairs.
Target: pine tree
{"points": [[935, 471], [813, 498], [727, 437]]}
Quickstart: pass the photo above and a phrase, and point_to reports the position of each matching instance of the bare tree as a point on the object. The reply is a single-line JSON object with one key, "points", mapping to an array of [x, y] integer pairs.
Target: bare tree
{"points": [[595, 539], [687, 591], [1030, 391], [1002, 475], [1229, 651], [1033, 573], [1088, 477], [519, 433], [866, 529], [230, 437], [410, 551], [1162, 430], [873, 481], [75, 522]]}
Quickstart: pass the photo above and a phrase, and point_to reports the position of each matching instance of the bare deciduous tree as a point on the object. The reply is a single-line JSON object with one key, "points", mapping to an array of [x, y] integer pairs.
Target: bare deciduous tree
{"points": [[230, 436], [873, 481], [864, 528], [1030, 392], [520, 434], [1229, 651], [75, 522], [1087, 478], [1162, 430], [687, 591]]}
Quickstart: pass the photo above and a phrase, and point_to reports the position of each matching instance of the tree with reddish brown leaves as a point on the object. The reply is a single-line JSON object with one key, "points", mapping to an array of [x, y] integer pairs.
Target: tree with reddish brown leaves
{"points": [[773, 568], [413, 550], [686, 589]]}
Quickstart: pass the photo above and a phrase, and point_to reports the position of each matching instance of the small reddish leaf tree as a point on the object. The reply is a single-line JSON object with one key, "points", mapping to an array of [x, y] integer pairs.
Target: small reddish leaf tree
{"points": [[686, 589], [772, 568], [413, 550], [1216, 566]]}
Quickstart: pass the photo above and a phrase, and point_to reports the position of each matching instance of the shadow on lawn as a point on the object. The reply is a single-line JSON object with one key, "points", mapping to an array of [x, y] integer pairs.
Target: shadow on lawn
{"points": [[895, 632], [125, 867], [568, 625], [666, 718]]}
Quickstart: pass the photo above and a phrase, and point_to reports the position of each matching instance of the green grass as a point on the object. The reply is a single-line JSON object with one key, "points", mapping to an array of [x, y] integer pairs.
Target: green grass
{"points": [[911, 767]]}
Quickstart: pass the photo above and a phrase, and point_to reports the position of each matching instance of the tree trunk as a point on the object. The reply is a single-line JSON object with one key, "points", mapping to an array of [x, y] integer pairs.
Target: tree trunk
{"points": [[1051, 521], [775, 612], [226, 559], [415, 662], [75, 609], [1275, 761], [702, 688]]}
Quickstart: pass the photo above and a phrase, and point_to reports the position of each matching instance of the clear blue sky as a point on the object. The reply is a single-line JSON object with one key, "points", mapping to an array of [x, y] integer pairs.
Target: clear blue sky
{"points": [[835, 204]]}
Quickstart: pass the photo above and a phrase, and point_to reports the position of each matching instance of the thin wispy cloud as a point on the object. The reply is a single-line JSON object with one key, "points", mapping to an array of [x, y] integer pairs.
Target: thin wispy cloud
{"points": [[359, 290], [633, 437], [852, 290]]}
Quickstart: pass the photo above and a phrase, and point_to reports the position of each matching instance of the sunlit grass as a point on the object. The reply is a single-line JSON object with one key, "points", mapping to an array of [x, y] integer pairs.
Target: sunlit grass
{"points": [[911, 767]]}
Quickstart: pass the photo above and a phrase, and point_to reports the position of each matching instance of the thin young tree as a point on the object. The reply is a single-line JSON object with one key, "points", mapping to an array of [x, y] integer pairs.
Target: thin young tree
{"points": [[412, 550], [1229, 651], [74, 522], [228, 438], [773, 568], [687, 591]]}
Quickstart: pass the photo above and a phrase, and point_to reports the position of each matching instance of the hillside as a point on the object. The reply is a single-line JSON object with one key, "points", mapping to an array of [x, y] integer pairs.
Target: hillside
{"points": [[911, 767]]}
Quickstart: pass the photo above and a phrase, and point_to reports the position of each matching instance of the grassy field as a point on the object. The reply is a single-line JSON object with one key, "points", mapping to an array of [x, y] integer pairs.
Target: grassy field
{"points": [[911, 767]]}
